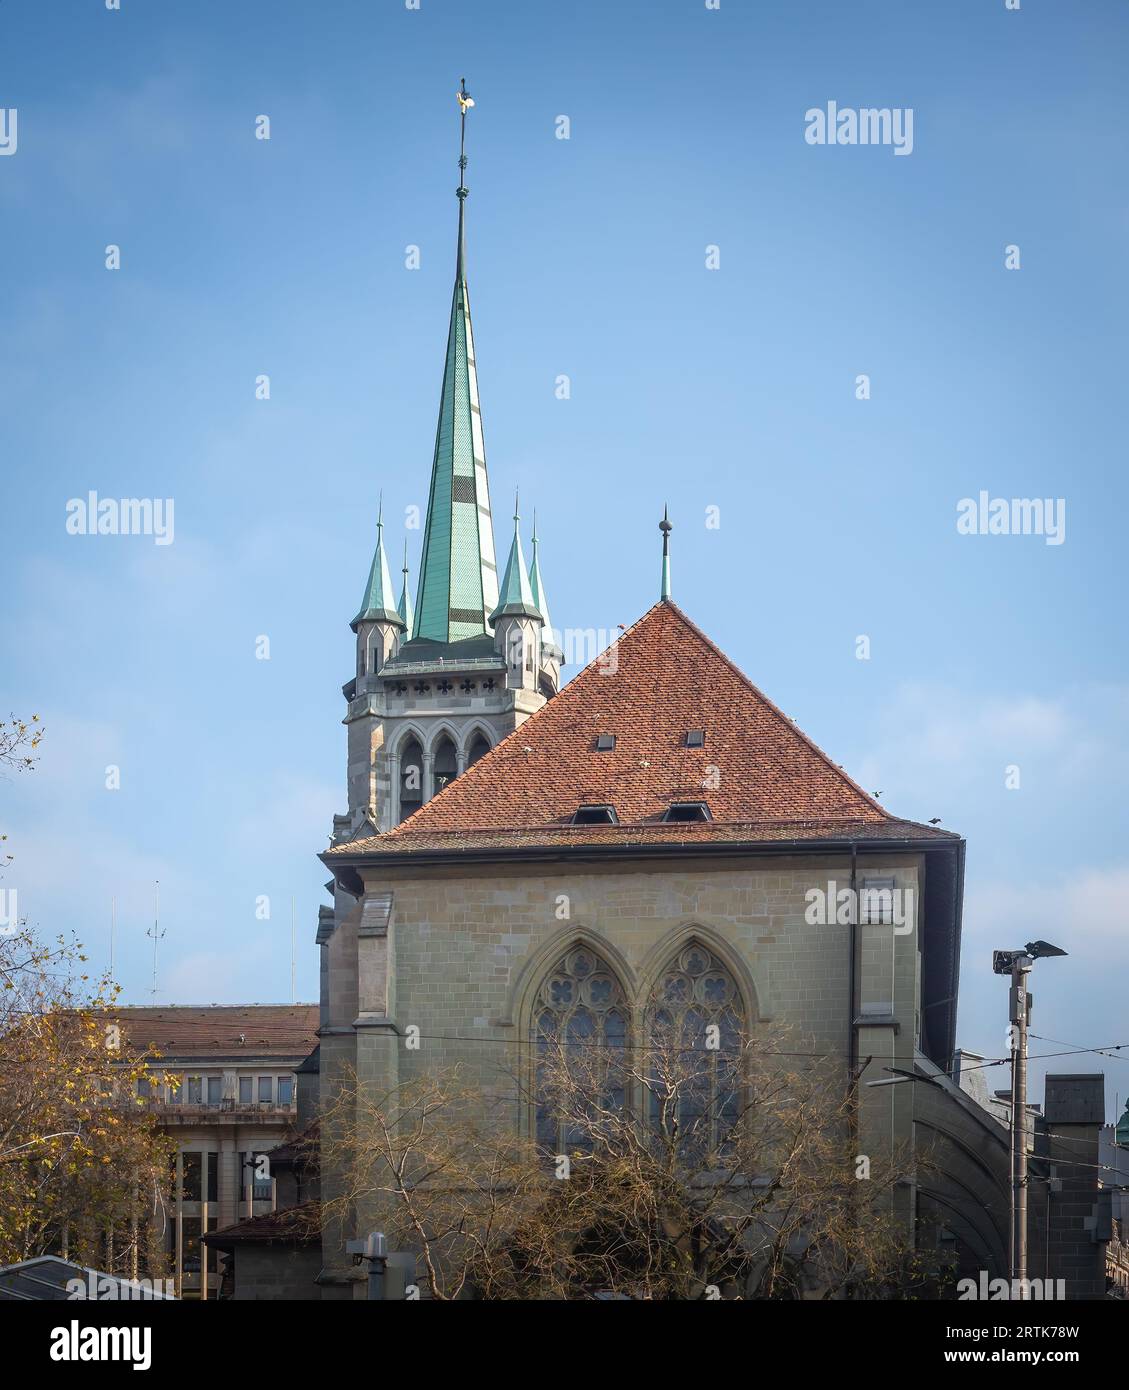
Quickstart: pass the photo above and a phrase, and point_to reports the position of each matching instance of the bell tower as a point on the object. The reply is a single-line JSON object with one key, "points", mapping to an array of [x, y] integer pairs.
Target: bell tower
{"points": [[438, 683]]}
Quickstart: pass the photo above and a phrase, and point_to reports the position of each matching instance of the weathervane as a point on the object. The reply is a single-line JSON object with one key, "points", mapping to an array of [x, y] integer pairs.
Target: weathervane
{"points": [[466, 101]]}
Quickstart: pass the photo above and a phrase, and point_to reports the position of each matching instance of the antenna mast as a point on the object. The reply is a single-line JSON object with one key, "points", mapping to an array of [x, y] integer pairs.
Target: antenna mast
{"points": [[156, 933]]}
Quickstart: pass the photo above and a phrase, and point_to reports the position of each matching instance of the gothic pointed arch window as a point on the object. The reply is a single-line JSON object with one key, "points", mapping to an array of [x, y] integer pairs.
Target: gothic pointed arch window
{"points": [[580, 1038], [696, 1027], [446, 764], [479, 746], [411, 777]]}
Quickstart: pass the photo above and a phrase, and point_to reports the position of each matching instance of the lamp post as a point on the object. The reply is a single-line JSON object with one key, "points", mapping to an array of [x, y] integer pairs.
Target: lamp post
{"points": [[1018, 965]]}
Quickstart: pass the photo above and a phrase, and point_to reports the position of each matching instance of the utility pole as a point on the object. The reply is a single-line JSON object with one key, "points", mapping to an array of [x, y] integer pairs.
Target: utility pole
{"points": [[1018, 965], [1018, 1014]]}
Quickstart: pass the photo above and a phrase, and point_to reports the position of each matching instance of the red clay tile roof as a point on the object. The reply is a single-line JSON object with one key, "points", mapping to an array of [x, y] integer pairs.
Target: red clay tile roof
{"points": [[662, 678], [267, 1030]]}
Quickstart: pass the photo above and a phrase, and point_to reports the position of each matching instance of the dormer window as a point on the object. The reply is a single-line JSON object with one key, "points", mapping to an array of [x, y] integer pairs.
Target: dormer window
{"points": [[605, 743], [594, 815], [687, 811], [696, 738]]}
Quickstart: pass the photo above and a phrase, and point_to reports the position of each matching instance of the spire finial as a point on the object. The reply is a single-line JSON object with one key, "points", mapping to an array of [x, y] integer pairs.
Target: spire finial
{"points": [[665, 527], [404, 569], [380, 510], [465, 103], [517, 509]]}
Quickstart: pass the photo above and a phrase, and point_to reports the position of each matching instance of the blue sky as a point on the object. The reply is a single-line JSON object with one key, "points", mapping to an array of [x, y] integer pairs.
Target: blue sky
{"points": [[732, 388]]}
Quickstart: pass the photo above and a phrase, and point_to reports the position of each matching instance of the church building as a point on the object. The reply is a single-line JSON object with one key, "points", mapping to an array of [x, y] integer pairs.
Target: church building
{"points": [[510, 844]]}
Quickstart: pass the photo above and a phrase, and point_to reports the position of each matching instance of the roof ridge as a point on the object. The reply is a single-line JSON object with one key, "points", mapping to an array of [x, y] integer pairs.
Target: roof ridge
{"points": [[785, 720]]}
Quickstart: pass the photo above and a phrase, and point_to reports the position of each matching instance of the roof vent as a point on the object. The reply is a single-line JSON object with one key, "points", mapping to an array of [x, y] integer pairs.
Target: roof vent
{"points": [[687, 810], [696, 738], [605, 743], [595, 815]]}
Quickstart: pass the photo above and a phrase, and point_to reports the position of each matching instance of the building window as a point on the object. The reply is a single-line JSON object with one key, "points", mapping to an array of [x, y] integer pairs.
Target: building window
{"points": [[195, 1090], [190, 1176], [580, 1027], [696, 738], [479, 746], [594, 815], [190, 1248], [605, 743], [877, 902], [411, 778], [246, 1090], [213, 1177], [696, 1026], [285, 1090], [144, 1088], [687, 811], [446, 764], [215, 1089], [266, 1090], [259, 1172]]}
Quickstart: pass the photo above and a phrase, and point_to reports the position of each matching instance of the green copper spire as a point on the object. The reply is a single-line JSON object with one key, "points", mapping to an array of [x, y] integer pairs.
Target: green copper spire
{"points": [[665, 527], [458, 582], [517, 597], [404, 607], [377, 603], [537, 588]]}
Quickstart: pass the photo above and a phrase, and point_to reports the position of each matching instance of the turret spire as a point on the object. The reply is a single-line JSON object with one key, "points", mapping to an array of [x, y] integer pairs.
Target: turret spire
{"points": [[377, 604], [458, 582], [665, 527], [537, 588], [404, 607], [517, 596]]}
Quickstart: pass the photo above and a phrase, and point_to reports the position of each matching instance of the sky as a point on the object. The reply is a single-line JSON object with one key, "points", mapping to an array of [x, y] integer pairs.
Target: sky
{"points": [[712, 285]]}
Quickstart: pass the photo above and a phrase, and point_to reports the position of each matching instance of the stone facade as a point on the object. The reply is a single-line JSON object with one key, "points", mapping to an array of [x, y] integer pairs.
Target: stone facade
{"points": [[459, 953]]}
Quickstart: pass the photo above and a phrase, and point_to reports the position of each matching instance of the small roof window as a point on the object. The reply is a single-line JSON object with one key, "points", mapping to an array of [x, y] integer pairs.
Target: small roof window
{"points": [[696, 738], [595, 815], [605, 743], [687, 811]]}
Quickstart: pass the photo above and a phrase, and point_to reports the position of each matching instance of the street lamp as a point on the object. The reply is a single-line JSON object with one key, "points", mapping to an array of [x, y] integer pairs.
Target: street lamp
{"points": [[1018, 965]]}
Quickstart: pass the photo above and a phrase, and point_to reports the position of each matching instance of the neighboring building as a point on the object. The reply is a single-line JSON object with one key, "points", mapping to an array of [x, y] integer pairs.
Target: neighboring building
{"points": [[1075, 1198], [1088, 1243], [233, 1101], [278, 1255]]}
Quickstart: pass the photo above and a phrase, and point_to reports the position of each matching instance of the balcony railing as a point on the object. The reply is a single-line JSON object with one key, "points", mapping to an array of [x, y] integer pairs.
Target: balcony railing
{"points": [[217, 1107]]}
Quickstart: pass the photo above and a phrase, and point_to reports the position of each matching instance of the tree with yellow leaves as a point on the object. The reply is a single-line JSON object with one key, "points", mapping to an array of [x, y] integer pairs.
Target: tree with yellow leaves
{"points": [[83, 1170]]}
